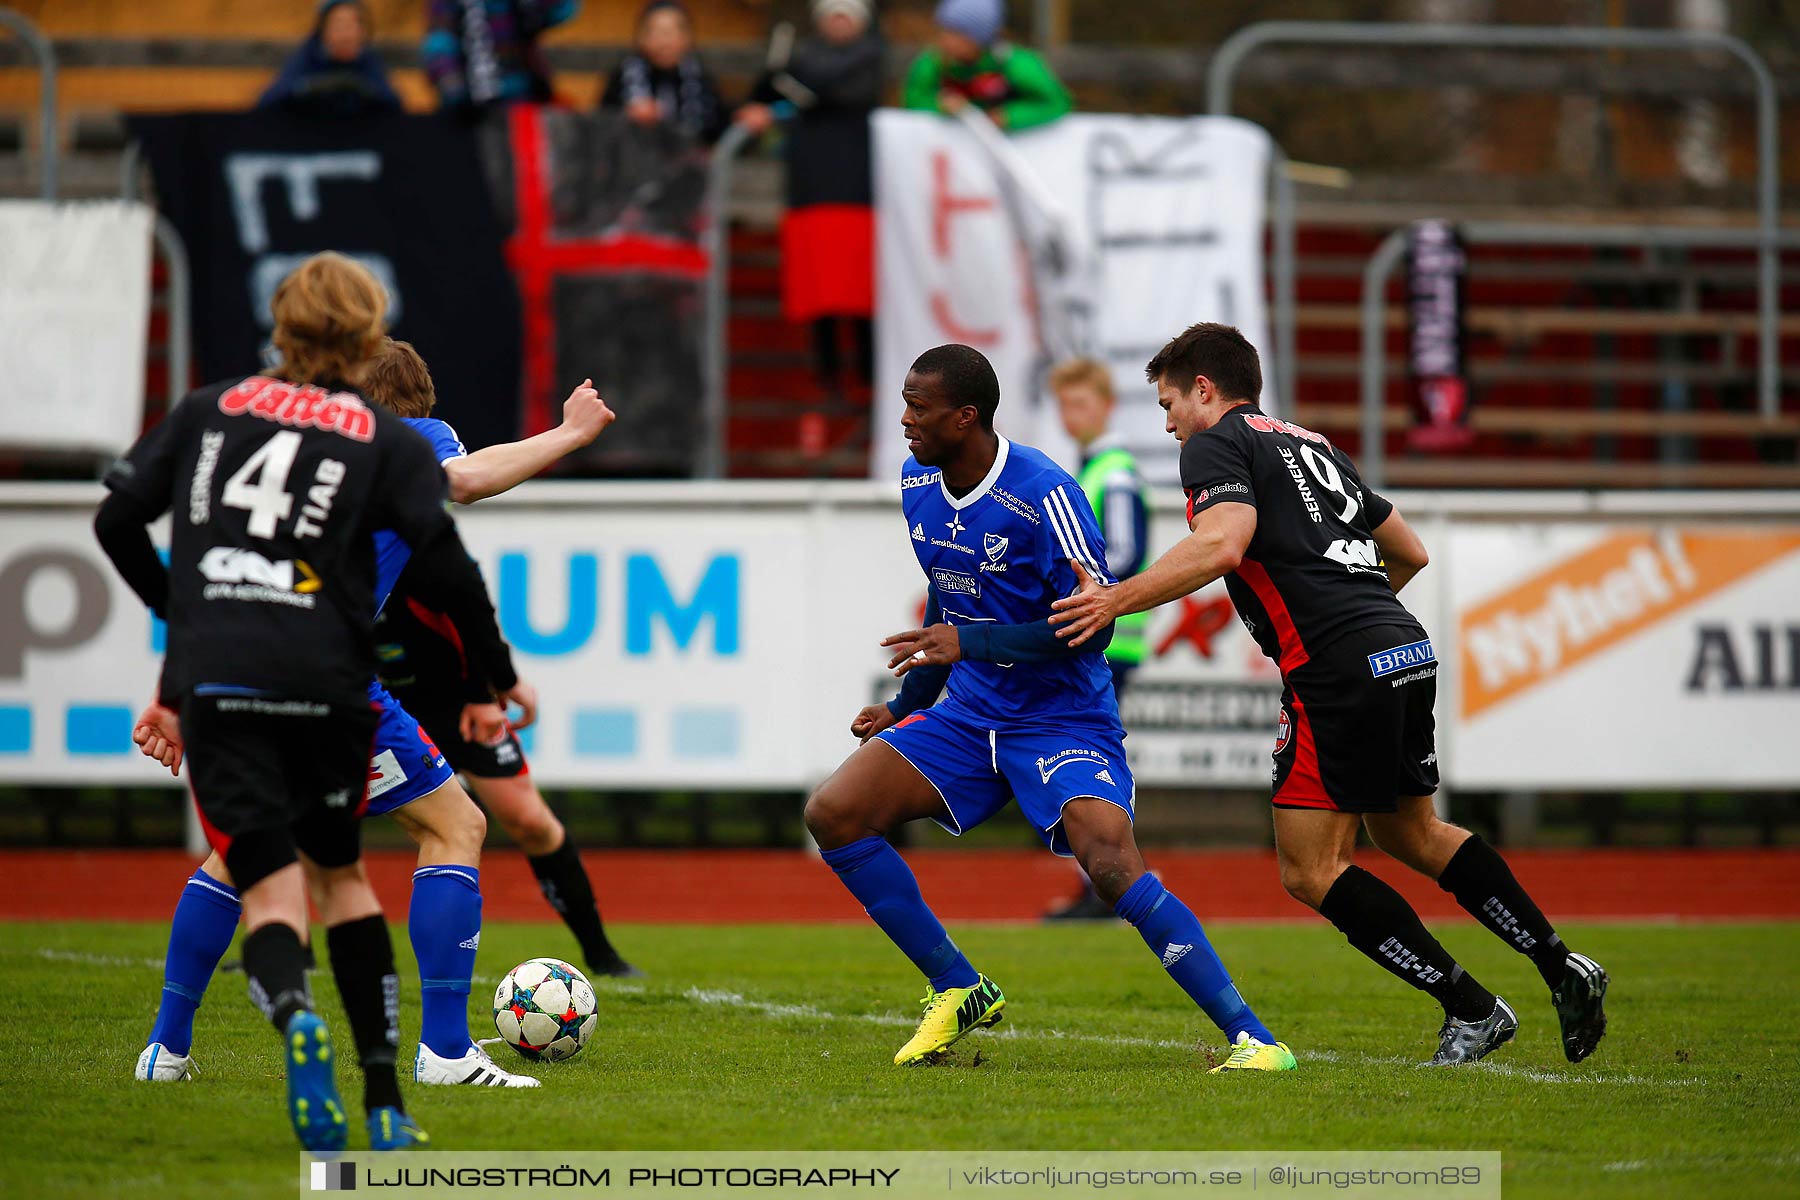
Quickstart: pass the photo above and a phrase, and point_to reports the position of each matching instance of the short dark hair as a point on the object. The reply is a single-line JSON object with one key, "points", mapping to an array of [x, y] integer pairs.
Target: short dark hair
{"points": [[1219, 352], [968, 377]]}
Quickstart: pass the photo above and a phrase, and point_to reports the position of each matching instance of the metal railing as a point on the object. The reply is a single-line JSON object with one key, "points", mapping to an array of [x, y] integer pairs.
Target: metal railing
{"points": [[45, 53], [1373, 459], [717, 242], [1251, 38]]}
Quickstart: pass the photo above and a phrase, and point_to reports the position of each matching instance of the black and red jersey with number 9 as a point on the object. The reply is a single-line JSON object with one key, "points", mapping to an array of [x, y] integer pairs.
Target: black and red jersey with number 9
{"points": [[1312, 572]]}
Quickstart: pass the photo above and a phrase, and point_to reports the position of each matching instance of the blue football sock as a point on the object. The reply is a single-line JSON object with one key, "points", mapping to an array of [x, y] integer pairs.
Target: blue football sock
{"points": [[206, 919], [445, 923], [1174, 935], [877, 875]]}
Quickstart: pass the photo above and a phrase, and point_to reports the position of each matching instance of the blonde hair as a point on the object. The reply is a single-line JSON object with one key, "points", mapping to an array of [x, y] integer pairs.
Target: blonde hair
{"points": [[330, 317], [1082, 372], [398, 380]]}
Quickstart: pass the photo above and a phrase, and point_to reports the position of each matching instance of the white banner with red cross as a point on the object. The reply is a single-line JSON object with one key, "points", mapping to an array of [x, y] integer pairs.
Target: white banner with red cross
{"points": [[1099, 235]]}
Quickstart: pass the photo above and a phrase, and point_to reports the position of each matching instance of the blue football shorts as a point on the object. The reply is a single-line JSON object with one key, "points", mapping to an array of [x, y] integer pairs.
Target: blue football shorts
{"points": [[405, 763], [977, 768]]}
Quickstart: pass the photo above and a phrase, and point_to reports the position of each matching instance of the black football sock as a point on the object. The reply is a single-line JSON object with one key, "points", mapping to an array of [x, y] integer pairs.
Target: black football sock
{"points": [[273, 961], [564, 882], [362, 959], [1378, 921], [1482, 883]]}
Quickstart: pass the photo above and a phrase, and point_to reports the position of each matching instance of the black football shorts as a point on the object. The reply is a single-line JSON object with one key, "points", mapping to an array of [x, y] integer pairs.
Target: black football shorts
{"points": [[1357, 730], [261, 763], [443, 723]]}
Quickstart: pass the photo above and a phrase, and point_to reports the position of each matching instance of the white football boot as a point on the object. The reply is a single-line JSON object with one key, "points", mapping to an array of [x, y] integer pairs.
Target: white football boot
{"points": [[159, 1064], [474, 1068]]}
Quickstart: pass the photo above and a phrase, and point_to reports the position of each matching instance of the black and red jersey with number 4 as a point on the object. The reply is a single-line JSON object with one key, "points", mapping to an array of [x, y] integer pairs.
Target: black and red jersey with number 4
{"points": [[1312, 572], [275, 492]]}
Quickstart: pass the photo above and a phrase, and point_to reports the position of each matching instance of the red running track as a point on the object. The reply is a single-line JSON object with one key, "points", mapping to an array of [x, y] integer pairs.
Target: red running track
{"points": [[720, 886]]}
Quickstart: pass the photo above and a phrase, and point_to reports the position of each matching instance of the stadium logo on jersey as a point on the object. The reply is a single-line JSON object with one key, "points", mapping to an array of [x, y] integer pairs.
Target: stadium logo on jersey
{"points": [[919, 532], [1358, 554], [234, 573], [1062, 758], [908, 482], [955, 583], [307, 407], [1401, 658]]}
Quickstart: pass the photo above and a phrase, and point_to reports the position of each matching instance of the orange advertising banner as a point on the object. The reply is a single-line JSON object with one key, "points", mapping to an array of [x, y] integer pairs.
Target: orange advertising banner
{"points": [[1572, 610]]}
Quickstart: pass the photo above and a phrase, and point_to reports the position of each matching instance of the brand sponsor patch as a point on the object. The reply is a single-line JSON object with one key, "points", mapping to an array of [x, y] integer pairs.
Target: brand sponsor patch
{"points": [[955, 583], [1062, 758], [300, 406], [1283, 731], [1214, 490], [1401, 658], [385, 773], [908, 482]]}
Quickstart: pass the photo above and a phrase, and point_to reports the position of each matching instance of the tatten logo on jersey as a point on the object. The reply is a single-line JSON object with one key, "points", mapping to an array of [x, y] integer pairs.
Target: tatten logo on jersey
{"points": [[233, 573], [1541, 626], [302, 407]]}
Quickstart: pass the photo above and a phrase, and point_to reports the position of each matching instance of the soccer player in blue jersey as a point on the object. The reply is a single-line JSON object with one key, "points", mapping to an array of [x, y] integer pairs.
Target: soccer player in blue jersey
{"points": [[996, 526], [409, 778]]}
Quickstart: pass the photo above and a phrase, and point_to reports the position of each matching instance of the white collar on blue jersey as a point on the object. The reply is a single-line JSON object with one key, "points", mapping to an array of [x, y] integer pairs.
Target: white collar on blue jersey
{"points": [[981, 489]]}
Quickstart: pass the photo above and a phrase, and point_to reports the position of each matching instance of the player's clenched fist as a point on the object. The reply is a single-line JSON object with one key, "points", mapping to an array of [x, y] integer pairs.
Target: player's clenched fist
{"points": [[157, 735], [871, 721], [586, 413]]}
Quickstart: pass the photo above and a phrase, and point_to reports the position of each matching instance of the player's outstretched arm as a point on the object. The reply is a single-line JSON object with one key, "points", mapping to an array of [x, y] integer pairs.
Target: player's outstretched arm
{"points": [[1401, 550], [1220, 536], [496, 469]]}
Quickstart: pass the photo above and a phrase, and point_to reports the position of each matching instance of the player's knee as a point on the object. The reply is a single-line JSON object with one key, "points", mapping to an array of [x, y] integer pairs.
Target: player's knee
{"points": [[533, 827], [832, 818], [1307, 882], [465, 828]]}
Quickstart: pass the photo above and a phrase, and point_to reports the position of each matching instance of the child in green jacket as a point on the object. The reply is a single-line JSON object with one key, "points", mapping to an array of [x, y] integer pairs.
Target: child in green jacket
{"points": [[971, 64]]}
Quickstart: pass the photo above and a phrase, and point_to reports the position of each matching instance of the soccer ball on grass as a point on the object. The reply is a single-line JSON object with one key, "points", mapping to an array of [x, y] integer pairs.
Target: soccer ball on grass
{"points": [[544, 1008]]}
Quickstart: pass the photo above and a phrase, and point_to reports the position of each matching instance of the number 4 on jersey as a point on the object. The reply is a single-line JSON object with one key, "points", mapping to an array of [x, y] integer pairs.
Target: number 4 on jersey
{"points": [[266, 499]]}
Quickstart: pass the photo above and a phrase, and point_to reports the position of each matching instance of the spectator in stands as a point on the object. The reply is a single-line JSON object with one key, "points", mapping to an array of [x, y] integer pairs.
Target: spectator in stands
{"points": [[829, 84], [334, 73], [972, 64], [480, 53], [662, 79]]}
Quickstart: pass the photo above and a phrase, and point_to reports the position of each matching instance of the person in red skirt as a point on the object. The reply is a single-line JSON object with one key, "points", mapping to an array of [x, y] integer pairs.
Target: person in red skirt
{"points": [[825, 89]]}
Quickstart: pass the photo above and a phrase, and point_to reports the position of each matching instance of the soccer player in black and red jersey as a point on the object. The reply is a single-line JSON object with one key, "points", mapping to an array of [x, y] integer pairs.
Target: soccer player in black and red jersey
{"points": [[1313, 562], [277, 486]]}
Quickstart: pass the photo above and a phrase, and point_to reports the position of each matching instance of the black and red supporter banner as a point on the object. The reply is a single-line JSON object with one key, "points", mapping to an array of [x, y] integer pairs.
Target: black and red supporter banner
{"points": [[606, 223], [1437, 269], [254, 194]]}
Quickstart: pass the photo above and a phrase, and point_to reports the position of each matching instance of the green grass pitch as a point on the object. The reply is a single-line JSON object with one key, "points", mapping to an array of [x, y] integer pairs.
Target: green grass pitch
{"points": [[781, 1037]]}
